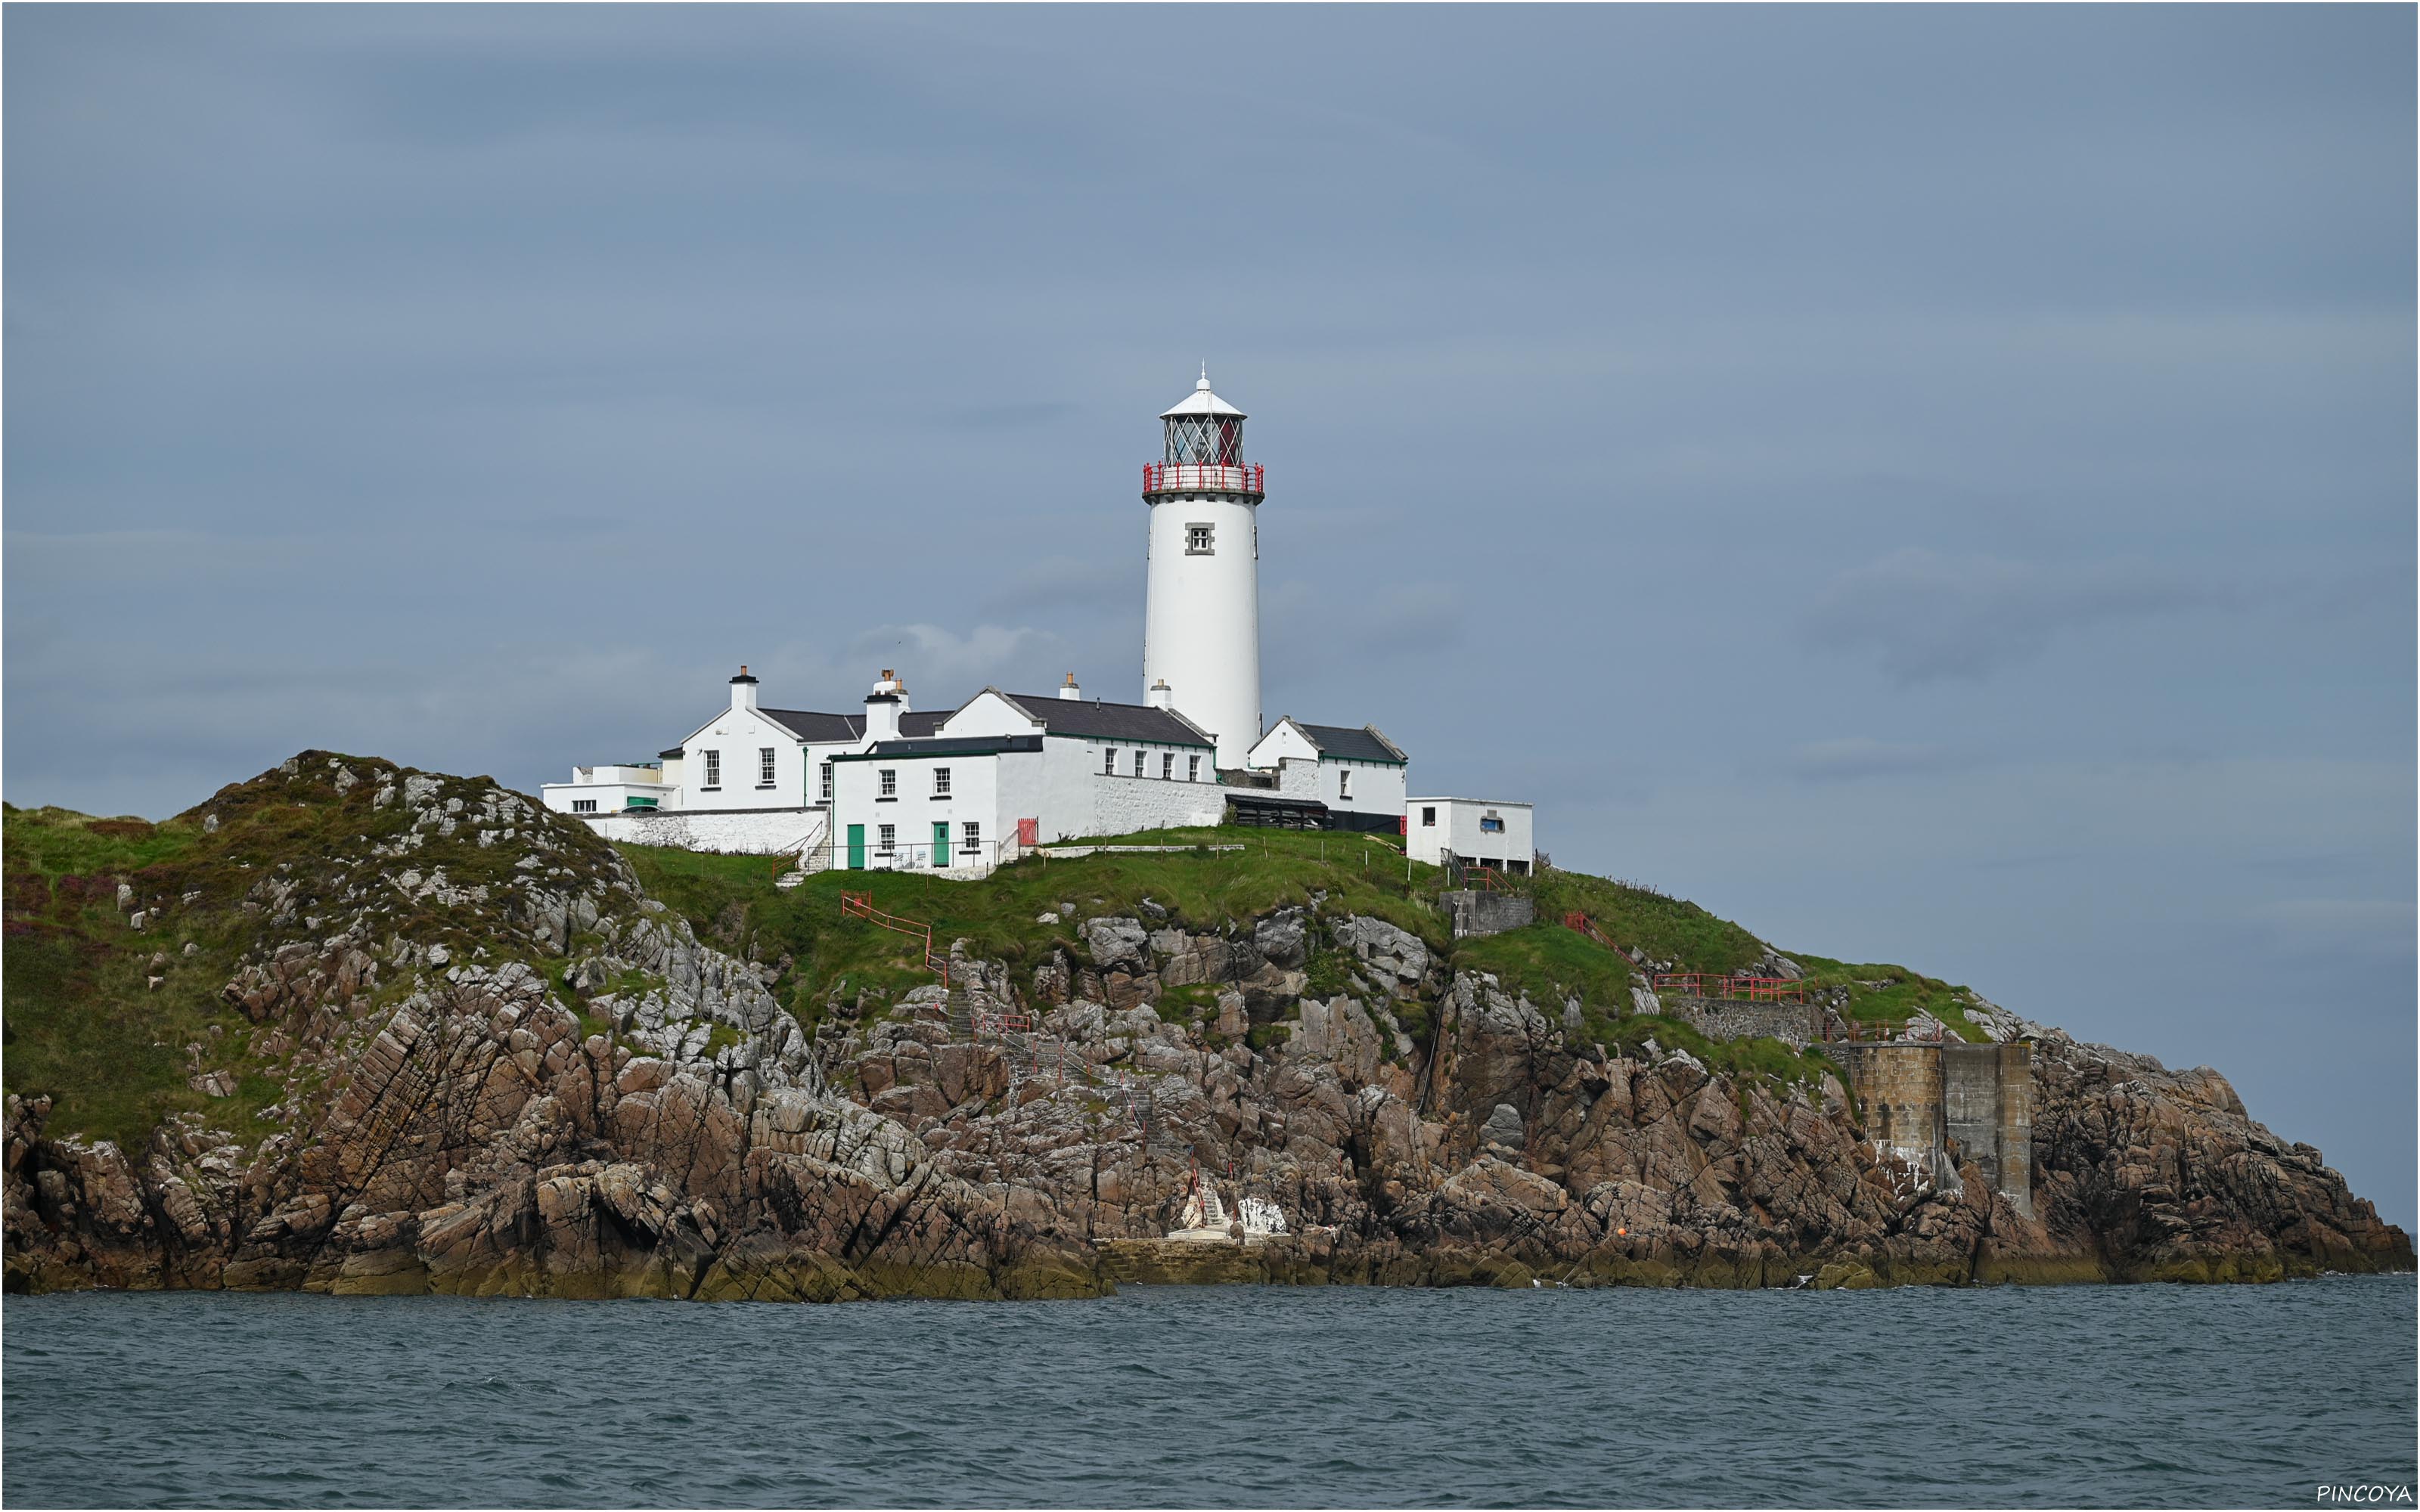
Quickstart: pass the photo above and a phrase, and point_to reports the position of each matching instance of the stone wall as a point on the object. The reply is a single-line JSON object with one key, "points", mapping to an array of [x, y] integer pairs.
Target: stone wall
{"points": [[1722, 1019], [730, 832], [1934, 1108], [1124, 805], [1476, 913]]}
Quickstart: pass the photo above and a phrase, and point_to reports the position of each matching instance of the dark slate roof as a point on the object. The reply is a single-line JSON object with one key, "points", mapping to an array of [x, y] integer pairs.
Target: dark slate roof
{"points": [[953, 746], [828, 729], [817, 728], [1110, 721], [668, 755], [1348, 743]]}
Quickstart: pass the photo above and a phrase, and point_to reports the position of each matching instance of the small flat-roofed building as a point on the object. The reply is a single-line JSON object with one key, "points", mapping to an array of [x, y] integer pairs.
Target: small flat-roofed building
{"points": [[603, 790], [1489, 832]]}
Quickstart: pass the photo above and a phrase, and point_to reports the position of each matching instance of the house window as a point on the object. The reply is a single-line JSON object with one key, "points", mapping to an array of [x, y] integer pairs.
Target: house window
{"points": [[713, 769], [1344, 786], [1193, 768], [1138, 763], [1167, 764], [1196, 540], [826, 781], [941, 781], [1492, 825], [763, 766], [886, 839], [1109, 762], [1428, 818], [974, 832], [891, 782], [584, 806]]}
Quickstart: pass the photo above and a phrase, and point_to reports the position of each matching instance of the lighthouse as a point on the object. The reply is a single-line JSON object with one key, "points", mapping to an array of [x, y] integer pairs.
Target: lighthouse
{"points": [[1202, 597]]}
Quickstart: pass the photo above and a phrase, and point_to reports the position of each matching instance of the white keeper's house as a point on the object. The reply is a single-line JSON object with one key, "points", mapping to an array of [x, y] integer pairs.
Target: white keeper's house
{"points": [[961, 790]]}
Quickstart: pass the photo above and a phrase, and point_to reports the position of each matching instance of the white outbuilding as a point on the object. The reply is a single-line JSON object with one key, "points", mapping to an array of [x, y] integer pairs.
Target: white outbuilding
{"points": [[1490, 832], [1357, 773]]}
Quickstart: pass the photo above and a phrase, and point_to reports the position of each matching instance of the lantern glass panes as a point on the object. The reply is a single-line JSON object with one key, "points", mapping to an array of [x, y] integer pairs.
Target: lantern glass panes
{"points": [[1205, 441]]}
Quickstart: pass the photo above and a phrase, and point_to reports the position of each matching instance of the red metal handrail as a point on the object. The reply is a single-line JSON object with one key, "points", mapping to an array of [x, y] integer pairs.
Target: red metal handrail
{"points": [[861, 904], [1172, 478], [1733, 989]]}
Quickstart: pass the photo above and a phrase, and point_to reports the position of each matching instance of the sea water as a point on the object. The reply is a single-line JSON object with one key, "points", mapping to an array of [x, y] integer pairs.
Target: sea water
{"points": [[1239, 1396]]}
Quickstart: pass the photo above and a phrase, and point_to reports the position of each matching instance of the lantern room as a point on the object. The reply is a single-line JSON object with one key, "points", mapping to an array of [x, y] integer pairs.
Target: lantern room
{"points": [[1203, 449], [1205, 430]]}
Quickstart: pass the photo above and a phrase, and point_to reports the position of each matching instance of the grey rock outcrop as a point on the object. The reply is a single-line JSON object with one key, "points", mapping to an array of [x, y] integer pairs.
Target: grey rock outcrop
{"points": [[505, 1070]]}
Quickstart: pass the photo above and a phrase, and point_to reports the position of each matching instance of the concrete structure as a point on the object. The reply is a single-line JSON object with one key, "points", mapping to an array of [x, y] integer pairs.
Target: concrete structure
{"points": [[1201, 601], [1481, 831], [1936, 1106], [1478, 913], [1359, 774], [1987, 1100]]}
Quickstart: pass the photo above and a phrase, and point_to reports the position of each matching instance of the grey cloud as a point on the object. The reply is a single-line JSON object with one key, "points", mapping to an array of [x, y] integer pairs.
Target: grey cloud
{"points": [[1854, 757], [2338, 927], [1924, 614], [1003, 416], [947, 665], [1083, 585]]}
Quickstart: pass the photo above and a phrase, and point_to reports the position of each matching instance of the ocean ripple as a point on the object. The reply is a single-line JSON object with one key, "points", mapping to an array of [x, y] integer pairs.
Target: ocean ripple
{"points": [[1251, 1397]]}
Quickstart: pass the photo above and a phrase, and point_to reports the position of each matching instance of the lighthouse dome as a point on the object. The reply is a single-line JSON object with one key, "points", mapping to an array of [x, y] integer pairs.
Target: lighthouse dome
{"points": [[1201, 402]]}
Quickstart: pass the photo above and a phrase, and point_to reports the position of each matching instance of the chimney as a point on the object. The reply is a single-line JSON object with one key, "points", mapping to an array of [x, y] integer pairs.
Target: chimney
{"points": [[883, 707], [1071, 690], [1161, 696], [743, 689]]}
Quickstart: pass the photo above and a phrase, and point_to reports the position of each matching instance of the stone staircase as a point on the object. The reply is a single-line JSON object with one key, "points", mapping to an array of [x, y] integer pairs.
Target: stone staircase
{"points": [[815, 852]]}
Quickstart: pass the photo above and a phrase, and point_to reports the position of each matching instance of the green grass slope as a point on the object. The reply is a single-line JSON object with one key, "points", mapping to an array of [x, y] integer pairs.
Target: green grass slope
{"points": [[85, 1023]]}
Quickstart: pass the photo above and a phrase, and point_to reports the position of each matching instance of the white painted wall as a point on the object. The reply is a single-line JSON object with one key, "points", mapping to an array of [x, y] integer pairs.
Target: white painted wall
{"points": [[1377, 787], [729, 834], [1061, 786], [975, 785], [1457, 828], [1060, 794], [1283, 742], [990, 713], [1202, 616], [739, 734], [1298, 778], [1124, 804]]}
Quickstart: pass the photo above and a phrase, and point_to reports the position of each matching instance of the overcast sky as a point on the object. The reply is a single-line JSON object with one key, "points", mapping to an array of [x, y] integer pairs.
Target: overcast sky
{"points": [[1933, 486]]}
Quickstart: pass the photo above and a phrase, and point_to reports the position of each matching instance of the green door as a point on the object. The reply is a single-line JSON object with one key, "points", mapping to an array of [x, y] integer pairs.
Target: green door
{"points": [[940, 843], [856, 847]]}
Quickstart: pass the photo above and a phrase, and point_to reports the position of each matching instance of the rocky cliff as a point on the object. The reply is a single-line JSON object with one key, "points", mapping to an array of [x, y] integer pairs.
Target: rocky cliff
{"points": [[398, 1032]]}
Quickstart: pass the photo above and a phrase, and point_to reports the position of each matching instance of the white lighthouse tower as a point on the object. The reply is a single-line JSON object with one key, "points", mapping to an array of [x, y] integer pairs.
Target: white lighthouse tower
{"points": [[1201, 602]]}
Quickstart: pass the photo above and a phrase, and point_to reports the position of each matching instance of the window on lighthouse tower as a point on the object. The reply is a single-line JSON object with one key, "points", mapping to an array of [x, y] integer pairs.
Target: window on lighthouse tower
{"points": [[1197, 541]]}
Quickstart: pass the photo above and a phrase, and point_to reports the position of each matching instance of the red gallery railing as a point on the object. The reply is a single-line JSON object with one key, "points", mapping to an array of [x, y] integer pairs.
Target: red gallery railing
{"points": [[1186, 477]]}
